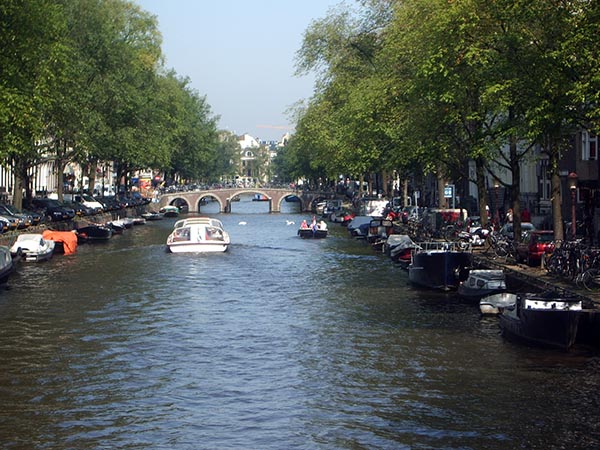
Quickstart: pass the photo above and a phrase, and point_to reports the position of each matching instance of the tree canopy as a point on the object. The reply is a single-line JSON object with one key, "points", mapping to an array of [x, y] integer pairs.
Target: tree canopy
{"points": [[84, 81], [424, 86]]}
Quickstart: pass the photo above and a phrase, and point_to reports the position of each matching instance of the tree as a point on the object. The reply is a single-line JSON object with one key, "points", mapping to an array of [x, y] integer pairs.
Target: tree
{"points": [[30, 51]]}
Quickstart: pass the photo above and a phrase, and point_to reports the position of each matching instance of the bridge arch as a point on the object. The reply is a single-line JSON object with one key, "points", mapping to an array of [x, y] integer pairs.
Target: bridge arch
{"points": [[225, 197], [191, 203]]}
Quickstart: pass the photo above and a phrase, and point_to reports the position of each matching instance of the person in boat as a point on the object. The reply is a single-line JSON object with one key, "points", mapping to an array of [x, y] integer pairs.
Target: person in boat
{"points": [[304, 225], [313, 224], [322, 225]]}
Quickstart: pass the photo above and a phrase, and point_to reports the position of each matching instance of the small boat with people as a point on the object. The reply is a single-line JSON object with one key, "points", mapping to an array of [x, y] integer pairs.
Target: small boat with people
{"points": [[198, 235], [440, 265], [260, 198], [32, 247], [482, 282], [548, 319], [316, 230]]}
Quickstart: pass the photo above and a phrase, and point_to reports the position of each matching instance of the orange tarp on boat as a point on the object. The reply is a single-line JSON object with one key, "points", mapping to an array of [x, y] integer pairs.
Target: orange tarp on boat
{"points": [[68, 239]]}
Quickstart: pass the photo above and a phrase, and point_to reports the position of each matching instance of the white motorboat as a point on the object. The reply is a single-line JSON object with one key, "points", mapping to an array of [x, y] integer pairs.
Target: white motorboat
{"points": [[495, 303], [198, 235], [32, 247], [169, 211], [482, 282]]}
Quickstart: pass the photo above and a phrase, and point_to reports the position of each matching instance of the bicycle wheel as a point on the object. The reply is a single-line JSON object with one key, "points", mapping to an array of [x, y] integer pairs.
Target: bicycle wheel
{"points": [[591, 279], [501, 250]]}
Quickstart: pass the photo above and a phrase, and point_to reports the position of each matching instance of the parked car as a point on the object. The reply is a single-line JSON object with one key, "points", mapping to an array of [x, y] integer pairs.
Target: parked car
{"points": [[53, 210], [13, 222], [36, 217], [4, 225], [24, 220], [80, 208], [507, 229], [111, 203], [86, 200], [534, 245]]}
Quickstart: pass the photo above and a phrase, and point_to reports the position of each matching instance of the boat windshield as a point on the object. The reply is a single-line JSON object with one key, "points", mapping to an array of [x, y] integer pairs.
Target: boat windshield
{"points": [[181, 234], [213, 234]]}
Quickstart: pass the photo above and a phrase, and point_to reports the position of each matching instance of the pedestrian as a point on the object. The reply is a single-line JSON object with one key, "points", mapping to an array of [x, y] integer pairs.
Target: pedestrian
{"points": [[509, 216]]}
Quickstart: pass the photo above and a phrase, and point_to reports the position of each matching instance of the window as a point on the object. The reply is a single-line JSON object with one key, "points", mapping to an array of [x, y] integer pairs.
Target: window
{"points": [[589, 146]]}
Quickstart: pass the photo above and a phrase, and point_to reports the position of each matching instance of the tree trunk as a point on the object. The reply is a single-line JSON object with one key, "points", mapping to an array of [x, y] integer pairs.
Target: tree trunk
{"points": [[556, 195], [20, 181], [515, 188], [92, 177], [483, 200], [441, 183]]}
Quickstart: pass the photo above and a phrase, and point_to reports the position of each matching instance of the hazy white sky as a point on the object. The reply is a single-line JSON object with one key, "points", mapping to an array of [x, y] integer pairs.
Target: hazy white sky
{"points": [[240, 55]]}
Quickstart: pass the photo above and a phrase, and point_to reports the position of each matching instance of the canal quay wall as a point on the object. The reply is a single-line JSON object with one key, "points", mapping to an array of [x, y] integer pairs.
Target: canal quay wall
{"points": [[525, 278], [8, 239]]}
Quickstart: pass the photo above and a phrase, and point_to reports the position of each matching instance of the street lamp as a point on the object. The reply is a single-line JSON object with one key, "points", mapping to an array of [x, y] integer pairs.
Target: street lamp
{"points": [[497, 215], [572, 179]]}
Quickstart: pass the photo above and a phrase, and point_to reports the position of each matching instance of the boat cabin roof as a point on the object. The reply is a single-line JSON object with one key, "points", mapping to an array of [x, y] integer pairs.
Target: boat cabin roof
{"points": [[198, 221], [29, 237]]}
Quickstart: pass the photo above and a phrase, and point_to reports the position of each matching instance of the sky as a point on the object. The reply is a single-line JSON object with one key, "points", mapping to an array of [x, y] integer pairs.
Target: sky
{"points": [[240, 54]]}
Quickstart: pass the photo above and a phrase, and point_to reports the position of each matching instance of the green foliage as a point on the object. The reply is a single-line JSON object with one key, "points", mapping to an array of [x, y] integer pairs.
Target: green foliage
{"points": [[87, 76], [426, 85]]}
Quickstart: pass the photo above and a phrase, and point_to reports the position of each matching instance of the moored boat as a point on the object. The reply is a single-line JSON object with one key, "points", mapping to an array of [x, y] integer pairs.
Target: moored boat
{"points": [[439, 265], [198, 235], [32, 247], [399, 248], [7, 266], [65, 242], [378, 233], [482, 282], [358, 227], [549, 319], [152, 215], [169, 211], [495, 303], [94, 233], [117, 226]]}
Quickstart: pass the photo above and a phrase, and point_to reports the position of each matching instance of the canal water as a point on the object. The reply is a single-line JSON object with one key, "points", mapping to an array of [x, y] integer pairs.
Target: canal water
{"points": [[280, 343]]}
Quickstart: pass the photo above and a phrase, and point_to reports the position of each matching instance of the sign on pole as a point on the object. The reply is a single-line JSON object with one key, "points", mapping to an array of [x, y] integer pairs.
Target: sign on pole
{"points": [[449, 193]]}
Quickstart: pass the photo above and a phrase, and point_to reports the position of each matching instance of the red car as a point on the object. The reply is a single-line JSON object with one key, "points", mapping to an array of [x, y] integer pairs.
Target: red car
{"points": [[533, 246]]}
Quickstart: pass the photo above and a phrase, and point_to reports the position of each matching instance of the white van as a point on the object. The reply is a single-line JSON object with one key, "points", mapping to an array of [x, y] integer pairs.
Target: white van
{"points": [[86, 200]]}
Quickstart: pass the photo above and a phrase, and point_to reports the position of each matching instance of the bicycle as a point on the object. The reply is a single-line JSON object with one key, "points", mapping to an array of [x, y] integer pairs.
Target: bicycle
{"points": [[590, 279]]}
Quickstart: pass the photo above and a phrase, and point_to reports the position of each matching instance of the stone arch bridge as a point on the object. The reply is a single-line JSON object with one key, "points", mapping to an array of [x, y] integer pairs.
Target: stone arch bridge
{"points": [[193, 199]]}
